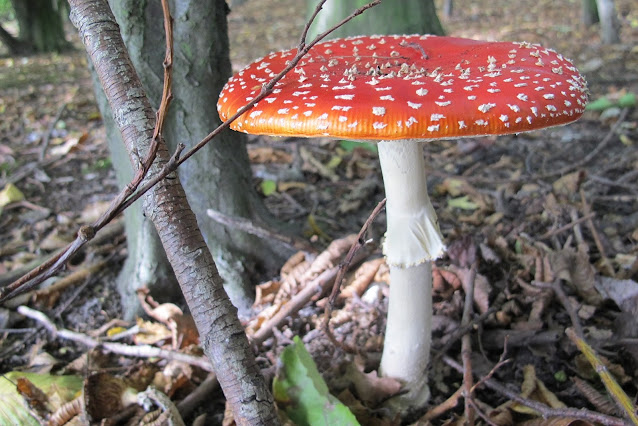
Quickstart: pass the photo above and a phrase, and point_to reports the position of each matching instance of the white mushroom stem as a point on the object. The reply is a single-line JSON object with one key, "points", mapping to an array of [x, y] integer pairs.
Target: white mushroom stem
{"points": [[412, 241]]}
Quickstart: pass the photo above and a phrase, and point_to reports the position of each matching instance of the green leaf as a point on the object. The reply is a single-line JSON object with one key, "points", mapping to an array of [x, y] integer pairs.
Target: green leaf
{"points": [[599, 104], [627, 100], [300, 390], [268, 187], [463, 203], [10, 194], [349, 146], [58, 389]]}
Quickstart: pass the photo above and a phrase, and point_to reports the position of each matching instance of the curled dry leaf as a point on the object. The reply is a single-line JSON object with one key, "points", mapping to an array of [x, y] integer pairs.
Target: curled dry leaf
{"points": [[533, 388], [363, 277], [371, 388], [482, 287], [268, 155], [574, 267]]}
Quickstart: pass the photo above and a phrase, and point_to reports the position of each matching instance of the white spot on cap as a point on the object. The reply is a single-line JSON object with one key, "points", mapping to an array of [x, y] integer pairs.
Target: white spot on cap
{"points": [[387, 98], [446, 103], [504, 118], [548, 96], [514, 108], [486, 107], [462, 124], [522, 97], [343, 118], [471, 98], [414, 105], [481, 122], [422, 92], [378, 110], [411, 121], [551, 108], [254, 114], [377, 125], [535, 111], [436, 117], [345, 97], [354, 124], [283, 111], [341, 108], [307, 113], [434, 128]]}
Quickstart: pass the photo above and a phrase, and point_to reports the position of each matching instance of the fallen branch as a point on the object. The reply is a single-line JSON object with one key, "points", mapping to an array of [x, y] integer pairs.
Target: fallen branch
{"points": [[544, 410], [137, 351]]}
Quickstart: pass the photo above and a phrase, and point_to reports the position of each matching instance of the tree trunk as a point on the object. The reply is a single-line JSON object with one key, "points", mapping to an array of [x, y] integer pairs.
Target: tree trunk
{"points": [[389, 17], [222, 336], [588, 12], [608, 22], [13, 45], [40, 25], [447, 9], [219, 176]]}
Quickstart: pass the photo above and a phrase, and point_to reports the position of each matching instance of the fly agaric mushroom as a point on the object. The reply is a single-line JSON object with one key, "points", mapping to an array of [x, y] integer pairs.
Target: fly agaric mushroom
{"points": [[401, 90]]}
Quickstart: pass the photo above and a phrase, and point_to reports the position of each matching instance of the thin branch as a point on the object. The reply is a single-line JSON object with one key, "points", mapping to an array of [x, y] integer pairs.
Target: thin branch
{"points": [[260, 231], [544, 410], [466, 347], [343, 268], [138, 351]]}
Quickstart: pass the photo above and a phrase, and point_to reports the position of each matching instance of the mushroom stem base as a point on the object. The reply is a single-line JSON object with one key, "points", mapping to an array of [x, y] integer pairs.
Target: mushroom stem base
{"points": [[406, 351]]}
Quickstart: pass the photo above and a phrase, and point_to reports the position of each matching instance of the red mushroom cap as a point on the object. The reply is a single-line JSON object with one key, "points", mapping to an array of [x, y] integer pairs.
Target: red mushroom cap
{"points": [[408, 87]]}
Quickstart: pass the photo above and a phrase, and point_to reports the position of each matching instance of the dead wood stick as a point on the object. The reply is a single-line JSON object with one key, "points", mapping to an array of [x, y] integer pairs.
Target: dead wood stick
{"points": [[575, 222], [259, 230], [466, 346], [609, 269], [544, 410], [47, 136], [138, 351]]}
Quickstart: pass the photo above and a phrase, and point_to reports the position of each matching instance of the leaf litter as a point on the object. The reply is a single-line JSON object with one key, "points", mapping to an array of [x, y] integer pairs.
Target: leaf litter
{"points": [[541, 223]]}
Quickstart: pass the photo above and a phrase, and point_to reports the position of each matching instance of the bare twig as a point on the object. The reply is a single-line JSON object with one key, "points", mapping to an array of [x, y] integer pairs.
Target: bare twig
{"points": [[564, 300], [568, 226], [617, 393], [544, 410], [343, 268], [260, 231], [47, 136], [609, 269], [139, 351], [466, 347]]}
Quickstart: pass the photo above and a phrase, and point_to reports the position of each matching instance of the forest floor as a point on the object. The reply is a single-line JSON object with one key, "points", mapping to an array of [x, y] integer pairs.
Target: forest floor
{"points": [[550, 217]]}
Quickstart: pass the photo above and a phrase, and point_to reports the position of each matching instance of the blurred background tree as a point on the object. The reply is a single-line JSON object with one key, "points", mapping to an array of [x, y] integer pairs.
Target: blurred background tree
{"points": [[40, 24]]}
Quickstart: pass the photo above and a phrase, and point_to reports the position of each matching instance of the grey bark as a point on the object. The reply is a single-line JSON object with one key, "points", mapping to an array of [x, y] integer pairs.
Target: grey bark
{"points": [[389, 17], [222, 336], [609, 33], [40, 24], [218, 177], [588, 12]]}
